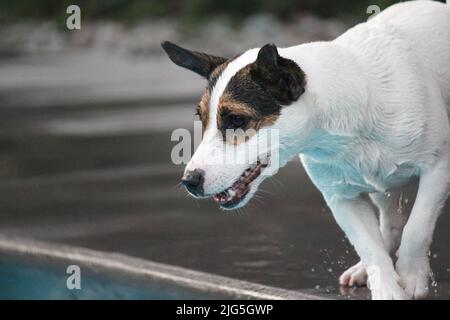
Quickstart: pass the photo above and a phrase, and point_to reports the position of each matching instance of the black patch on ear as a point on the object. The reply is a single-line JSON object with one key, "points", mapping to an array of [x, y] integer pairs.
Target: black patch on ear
{"points": [[201, 63], [281, 77]]}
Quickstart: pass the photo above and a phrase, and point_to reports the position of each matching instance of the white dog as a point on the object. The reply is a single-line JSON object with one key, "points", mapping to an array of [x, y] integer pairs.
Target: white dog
{"points": [[367, 113]]}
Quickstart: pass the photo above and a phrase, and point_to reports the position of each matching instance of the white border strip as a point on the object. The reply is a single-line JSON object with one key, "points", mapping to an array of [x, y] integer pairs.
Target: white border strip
{"points": [[189, 278]]}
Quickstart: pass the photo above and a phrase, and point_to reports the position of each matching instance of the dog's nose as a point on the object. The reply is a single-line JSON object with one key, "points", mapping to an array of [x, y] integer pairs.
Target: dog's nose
{"points": [[193, 181]]}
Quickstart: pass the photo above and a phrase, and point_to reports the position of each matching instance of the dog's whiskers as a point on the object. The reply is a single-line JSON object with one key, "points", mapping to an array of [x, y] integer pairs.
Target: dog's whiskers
{"points": [[278, 184]]}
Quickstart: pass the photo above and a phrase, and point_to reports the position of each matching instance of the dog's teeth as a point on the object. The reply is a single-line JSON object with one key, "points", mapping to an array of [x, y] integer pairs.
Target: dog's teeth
{"points": [[231, 193], [264, 160]]}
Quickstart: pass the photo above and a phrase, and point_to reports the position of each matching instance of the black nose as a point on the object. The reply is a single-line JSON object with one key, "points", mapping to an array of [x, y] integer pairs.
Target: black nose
{"points": [[193, 181]]}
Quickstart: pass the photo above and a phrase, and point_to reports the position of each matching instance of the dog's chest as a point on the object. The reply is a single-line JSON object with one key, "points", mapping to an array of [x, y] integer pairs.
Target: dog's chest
{"points": [[349, 177]]}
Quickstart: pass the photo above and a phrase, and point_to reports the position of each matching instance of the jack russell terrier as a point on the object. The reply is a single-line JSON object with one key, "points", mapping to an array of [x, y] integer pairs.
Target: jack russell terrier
{"points": [[366, 112]]}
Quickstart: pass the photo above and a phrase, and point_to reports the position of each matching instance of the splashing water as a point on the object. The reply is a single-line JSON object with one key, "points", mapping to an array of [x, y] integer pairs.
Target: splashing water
{"points": [[400, 204]]}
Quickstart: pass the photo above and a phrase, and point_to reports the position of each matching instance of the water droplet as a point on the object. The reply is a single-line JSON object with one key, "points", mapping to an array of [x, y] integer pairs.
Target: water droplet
{"points": [[330, 270], [435, 255], [433, 280], [317, 287], [313, 270], [387, 194], [400, 204]]}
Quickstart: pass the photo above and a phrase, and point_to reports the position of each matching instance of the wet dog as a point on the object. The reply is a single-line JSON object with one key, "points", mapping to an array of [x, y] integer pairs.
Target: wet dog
{"points": [[366, 112]]}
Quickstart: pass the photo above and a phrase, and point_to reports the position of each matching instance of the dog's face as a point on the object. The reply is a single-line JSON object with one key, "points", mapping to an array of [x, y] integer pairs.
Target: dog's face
{"points": [[245, 99]]}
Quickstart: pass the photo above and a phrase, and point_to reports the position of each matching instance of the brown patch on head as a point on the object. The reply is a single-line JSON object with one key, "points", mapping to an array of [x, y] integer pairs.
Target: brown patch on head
{"points": [[203, 109], [254, 96], [231, 111], [217, 72]]}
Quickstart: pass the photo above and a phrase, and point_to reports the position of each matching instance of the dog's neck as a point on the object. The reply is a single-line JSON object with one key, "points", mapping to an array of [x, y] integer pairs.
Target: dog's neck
{"points": [[336, 97]]}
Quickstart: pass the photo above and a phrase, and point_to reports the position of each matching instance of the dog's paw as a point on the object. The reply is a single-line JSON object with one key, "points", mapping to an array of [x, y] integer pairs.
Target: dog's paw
{"points": [[354, 276], [414, 275], [385, 286]]}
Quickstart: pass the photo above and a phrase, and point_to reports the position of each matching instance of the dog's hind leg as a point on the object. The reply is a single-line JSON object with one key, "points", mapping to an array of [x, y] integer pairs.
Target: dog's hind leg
{"points": [[392, 221], [413, 264], [392, 218]]}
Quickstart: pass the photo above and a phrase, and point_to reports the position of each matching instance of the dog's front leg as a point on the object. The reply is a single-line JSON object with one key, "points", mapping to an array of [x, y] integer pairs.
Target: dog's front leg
{"points": [[392, 222], [413, 262], [357, 219]]}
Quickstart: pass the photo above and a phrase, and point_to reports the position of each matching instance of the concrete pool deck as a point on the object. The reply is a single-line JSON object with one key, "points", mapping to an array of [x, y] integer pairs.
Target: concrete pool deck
{"points": [[86, 165], [119, 266]]}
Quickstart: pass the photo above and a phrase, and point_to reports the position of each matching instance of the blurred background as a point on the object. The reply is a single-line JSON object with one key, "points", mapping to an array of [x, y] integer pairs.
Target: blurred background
{"points": [[86, 118]]}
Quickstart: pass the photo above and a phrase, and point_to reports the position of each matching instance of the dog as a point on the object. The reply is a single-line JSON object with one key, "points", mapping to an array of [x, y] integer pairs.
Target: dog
{"points": [[367, 113]]}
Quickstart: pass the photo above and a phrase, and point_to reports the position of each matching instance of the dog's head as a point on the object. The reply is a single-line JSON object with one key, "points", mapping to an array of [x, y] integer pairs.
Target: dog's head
{"points": [[246, 97]]}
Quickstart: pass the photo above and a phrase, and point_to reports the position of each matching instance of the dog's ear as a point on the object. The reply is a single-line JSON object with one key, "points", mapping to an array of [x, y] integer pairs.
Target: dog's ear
{"points": [[201, 63], [281, 77]]}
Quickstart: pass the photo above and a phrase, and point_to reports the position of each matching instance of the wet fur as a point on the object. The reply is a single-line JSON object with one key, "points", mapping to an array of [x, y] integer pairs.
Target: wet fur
{"points": [[369, 115]]}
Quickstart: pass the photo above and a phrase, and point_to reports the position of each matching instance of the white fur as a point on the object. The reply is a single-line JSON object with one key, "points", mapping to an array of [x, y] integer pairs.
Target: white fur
{"points": [[210, 154], [242, 61], [374, 115]]}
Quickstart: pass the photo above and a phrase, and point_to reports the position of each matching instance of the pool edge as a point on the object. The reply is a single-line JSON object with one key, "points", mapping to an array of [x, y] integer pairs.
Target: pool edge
{"points": [[149, 269]]}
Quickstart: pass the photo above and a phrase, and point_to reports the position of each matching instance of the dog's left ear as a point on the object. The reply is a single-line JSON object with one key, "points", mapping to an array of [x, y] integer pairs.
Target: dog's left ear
{"points": [[281, 77], [199, 62]]}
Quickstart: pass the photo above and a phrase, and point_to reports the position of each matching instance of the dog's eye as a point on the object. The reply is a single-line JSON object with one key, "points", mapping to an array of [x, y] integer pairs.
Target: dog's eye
{"points": [[236, 122]]}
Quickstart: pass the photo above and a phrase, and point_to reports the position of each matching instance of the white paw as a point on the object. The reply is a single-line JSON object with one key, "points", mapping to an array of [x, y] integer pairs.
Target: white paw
{"points": [[385, 286], [414, 275], [354, 276]]}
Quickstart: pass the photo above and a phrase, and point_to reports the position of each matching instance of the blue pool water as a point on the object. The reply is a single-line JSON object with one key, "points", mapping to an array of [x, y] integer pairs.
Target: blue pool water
{"points": [[37, 280]]}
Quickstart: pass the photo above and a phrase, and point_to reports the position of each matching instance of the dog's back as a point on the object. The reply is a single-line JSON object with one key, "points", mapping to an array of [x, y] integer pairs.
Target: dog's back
{"points": [[427, 26]]}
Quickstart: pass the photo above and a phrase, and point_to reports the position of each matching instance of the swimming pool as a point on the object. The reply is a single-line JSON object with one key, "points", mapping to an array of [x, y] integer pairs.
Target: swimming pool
{"points": [[35, 270]]}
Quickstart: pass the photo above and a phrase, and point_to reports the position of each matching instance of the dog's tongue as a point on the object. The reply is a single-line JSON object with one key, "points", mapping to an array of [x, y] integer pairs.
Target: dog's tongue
{"points": [[240, 188], [233, 194]]}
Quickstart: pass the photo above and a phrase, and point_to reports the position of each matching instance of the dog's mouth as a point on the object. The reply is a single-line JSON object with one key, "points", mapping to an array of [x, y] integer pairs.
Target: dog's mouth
{"points": [[232, 196]]}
